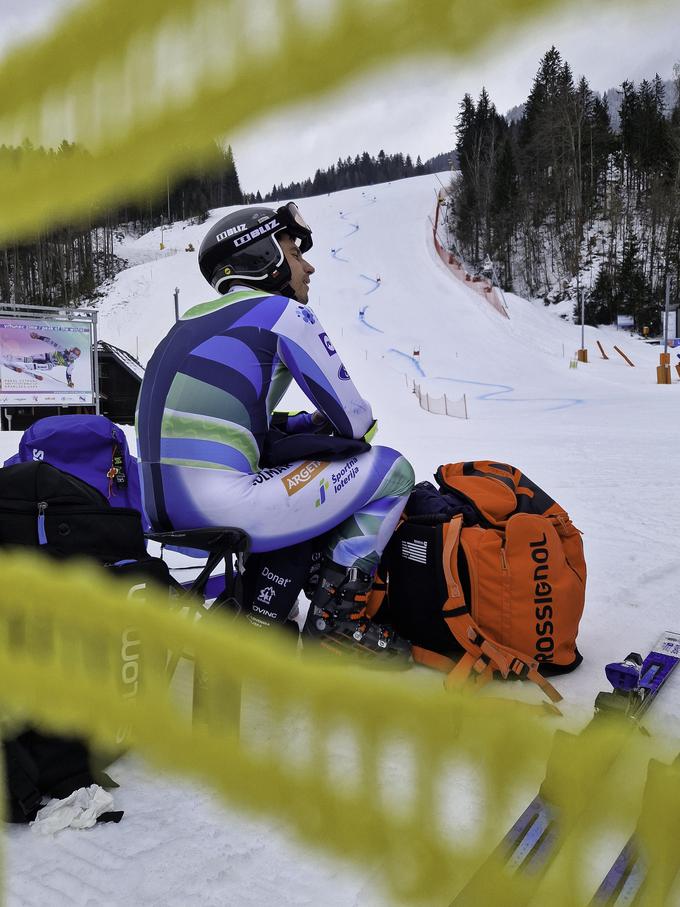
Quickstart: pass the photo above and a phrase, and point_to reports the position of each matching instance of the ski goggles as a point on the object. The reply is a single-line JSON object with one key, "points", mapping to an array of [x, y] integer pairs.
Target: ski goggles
{"points": [[292, 222]]}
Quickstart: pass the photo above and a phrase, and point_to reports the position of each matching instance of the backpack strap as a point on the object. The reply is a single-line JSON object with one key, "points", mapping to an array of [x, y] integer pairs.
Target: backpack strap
{"points": [[482, 655], [432, 659], [376, 596], [378, 591]]}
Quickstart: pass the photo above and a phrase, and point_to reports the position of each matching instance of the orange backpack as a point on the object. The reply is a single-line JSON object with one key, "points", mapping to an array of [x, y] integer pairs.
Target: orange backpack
{"points": [[489, 565]]}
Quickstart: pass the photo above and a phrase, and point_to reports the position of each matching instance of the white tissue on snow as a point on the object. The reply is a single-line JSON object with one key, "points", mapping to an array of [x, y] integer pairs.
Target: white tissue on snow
{"points": [[79, 810]]}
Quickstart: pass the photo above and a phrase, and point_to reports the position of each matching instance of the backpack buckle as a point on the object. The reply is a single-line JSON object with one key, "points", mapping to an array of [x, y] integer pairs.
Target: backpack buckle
{"points": [[385, 637], [519, 668], [360, 631]]}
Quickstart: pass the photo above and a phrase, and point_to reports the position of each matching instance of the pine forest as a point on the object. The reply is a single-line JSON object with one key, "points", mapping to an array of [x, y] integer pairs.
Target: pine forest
{"points": [[560, 200]]}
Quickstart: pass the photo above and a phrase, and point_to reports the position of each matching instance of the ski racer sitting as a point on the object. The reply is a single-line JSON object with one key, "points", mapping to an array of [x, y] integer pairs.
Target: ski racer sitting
{"points": [[205, 423]]}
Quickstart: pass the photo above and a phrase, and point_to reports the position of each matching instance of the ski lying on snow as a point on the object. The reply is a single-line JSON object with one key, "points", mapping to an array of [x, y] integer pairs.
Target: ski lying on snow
{"points": [[624, 884], [530, 845]]}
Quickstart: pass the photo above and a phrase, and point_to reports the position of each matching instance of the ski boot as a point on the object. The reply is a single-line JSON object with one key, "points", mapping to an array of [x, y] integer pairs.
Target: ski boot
{"points": [[337, 620]]}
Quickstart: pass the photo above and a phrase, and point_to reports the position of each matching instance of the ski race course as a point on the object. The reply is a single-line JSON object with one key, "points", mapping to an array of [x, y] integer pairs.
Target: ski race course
{"points": [[602, 439]]}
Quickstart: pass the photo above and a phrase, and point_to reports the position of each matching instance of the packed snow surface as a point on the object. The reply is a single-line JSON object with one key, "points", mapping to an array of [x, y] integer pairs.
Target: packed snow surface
{"points": [[602, 439]]}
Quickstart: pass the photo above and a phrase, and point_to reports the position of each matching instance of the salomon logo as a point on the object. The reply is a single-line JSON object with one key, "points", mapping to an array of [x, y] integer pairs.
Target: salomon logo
{"points": [[38, 454], [129, 653]]}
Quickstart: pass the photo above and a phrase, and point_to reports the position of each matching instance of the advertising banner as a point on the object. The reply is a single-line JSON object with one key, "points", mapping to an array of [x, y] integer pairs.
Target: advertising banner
{"points": [[45, 361]]}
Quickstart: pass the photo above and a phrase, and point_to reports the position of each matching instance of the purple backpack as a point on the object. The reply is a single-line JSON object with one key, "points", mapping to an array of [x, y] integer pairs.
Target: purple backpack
{"points": [[92, 448]]}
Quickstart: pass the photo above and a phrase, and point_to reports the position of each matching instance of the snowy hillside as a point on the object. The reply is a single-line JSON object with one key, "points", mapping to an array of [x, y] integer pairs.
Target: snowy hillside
{"points": [[602, 438]]}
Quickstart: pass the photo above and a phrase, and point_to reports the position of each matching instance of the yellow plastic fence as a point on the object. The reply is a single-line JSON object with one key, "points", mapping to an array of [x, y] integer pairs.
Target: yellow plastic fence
{"points": [[366, 765], [360, 764], [146, 87]]}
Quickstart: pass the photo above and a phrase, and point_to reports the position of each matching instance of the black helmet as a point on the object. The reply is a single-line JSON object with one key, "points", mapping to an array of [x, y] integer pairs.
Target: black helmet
{"points": [[243, 246]]}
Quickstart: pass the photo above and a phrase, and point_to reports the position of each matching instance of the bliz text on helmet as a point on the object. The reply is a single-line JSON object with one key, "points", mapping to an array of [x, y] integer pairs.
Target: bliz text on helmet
{"points": [[230, 232], [254, 233]]}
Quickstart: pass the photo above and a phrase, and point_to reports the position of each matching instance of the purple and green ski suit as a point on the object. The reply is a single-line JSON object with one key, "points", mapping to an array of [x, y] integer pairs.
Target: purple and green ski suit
{"points": [[205, 407]]}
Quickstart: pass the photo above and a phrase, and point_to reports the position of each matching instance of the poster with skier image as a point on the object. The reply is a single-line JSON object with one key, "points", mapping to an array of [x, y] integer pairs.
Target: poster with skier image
{"points": [[45, 362]]}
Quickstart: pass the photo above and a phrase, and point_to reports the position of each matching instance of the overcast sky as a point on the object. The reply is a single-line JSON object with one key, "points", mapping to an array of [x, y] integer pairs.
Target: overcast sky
{"points": [[412, 108]]}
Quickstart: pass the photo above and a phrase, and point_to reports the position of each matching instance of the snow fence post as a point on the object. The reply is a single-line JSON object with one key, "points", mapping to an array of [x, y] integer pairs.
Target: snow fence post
{"points": [[95, 363], [663, 369]]}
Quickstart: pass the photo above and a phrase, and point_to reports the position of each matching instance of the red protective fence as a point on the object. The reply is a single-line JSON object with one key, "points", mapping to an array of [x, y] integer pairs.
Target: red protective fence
{"points": [[476, 282]]}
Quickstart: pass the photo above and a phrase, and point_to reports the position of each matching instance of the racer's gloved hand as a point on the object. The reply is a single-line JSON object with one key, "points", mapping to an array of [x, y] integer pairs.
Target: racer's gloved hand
{"points": [[70, 383], [321, 425], [292, 423]]}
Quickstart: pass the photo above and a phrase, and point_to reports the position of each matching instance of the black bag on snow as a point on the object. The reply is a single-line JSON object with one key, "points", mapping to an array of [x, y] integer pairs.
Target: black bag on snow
{"points": [[485, 574], [59, 514], [42, 506], [45, 765]]}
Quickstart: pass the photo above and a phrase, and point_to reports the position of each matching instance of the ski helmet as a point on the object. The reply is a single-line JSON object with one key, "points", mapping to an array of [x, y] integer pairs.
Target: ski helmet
{"points": [[244, 246]]}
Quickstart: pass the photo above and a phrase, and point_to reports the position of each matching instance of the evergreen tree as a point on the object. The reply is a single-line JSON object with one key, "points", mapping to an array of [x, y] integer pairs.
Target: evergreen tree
{"points": [[362, 170], [599, 307], [602, 145], [632, 292], [530, 192], [68, 263], [504, 209]]}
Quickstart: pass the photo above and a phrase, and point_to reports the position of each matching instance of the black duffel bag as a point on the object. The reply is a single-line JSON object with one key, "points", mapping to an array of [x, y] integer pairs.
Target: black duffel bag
{"points": [[42, 506]]}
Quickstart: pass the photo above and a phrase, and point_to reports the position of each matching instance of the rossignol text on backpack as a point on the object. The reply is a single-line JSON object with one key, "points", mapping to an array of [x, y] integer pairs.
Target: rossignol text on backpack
{"points": [[489, 566]]}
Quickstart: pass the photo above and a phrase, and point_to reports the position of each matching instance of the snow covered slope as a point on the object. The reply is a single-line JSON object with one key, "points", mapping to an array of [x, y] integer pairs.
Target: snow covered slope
{"points": [[602, 439]]}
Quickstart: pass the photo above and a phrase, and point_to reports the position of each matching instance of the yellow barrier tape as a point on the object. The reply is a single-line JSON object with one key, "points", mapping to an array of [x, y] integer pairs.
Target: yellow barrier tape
{"points": [[146, 87], [360, 763]]}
